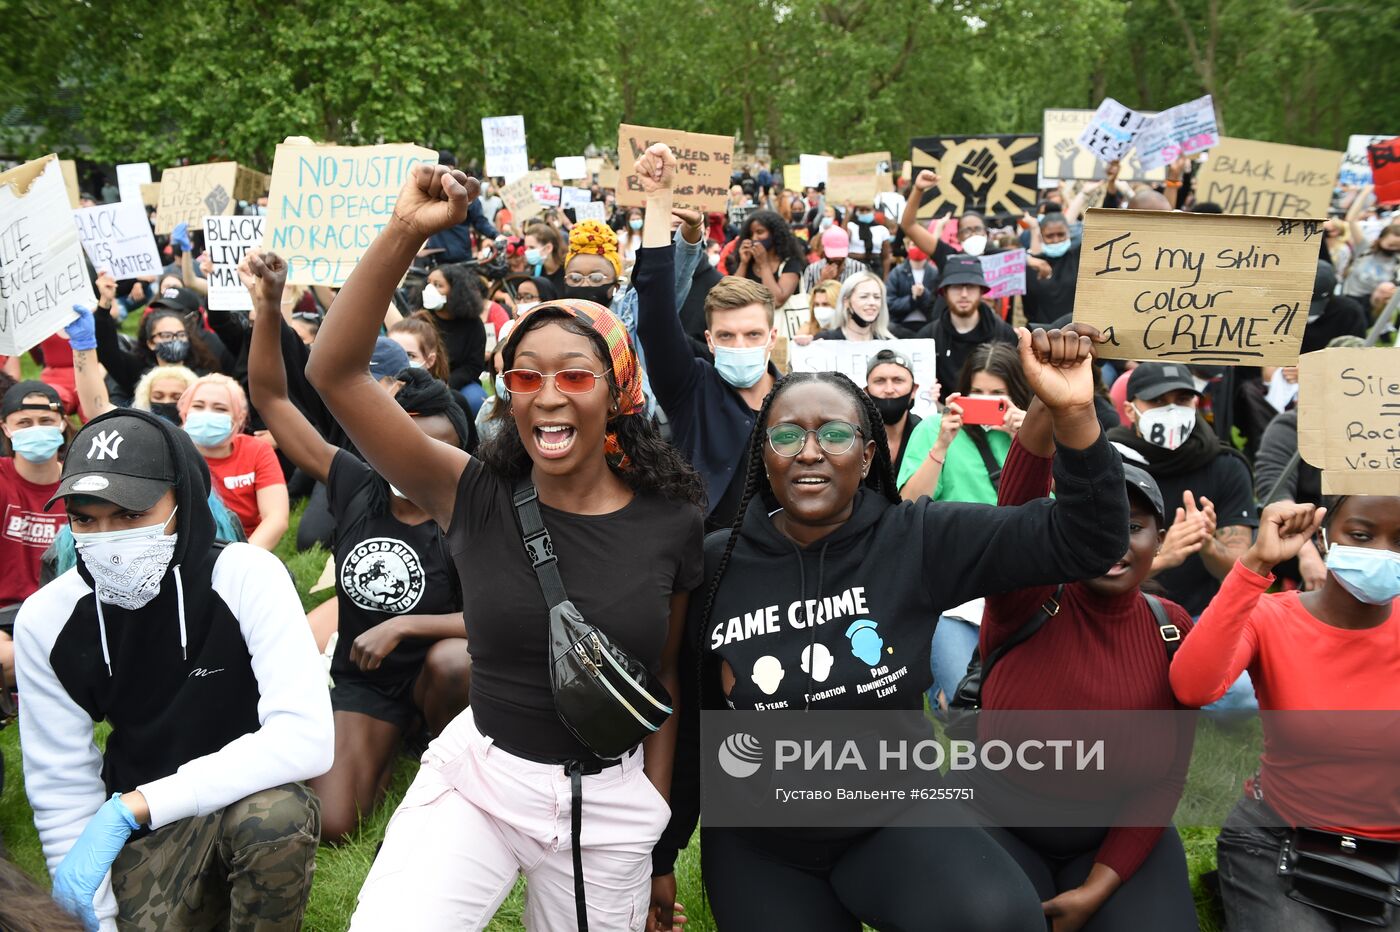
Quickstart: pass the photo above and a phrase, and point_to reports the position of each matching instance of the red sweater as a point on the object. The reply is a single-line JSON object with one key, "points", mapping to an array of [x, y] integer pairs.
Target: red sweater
{"points": [[1316, 769], [1097, 653]]}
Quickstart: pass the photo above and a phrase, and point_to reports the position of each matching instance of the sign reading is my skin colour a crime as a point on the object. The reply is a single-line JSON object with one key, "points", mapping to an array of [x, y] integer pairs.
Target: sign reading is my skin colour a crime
{"points": [[1197, 288]]}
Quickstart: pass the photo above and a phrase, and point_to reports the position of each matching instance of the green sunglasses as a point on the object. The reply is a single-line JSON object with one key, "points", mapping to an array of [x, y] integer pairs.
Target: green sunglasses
{"points": [[834, 437]]}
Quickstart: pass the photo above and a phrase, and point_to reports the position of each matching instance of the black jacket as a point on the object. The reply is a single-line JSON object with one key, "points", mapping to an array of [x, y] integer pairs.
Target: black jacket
{"points": [[904, 307], [953, 347]]}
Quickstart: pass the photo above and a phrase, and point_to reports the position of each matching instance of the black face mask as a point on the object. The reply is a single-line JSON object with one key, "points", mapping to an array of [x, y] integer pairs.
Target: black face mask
{"points": [[859, 321], [892, 409], [168, 410], [598, 294], [173, 350]]}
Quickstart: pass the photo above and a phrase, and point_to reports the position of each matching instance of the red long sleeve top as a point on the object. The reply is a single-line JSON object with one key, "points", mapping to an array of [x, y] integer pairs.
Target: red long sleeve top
{"points": [[1316, 769], [1098, 652]]}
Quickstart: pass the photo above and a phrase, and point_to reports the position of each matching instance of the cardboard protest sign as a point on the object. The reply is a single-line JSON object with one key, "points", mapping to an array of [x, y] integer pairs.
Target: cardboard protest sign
{"points": [[1005, 272], [851, 358], [792, 177], [504, 139], [702, 171], [594, 164], [1349, 419], [130, 177], [42, 270], [850, 182], [1268, 179], [993, 175], [609, 176], [227, 240], [1385, 170], [118, 239], [1356, 167], [70, 181], [1197, 288], [150, 194], [571, 167], [519, 198], [189, 193], [858, 178], [1111, 129], [328, 203], [1181, 130], [811, 170], [1066, 160]]}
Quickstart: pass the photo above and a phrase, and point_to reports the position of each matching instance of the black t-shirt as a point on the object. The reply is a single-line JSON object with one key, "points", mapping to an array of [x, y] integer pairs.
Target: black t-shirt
{"points": [[619, 569], [1048, 299], [384, 568], [793, 266], [1226, 482]]}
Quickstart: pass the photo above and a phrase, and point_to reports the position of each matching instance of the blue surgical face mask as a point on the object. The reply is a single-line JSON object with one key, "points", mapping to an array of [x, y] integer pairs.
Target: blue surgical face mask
{"points": [[1372, 576], [37, 444], [1055, 250], [500, 385], [865, 216], [208, 428], [635, 223], [533, 256], [741, 367]]}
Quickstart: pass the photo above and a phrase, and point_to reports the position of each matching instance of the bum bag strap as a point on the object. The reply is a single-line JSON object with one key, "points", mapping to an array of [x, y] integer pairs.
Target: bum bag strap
{"points": [[539, 548]]}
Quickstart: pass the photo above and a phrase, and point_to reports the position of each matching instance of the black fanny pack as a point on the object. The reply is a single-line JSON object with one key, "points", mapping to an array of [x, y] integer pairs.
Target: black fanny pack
{"points": [[606, 697], [1345, 875]]}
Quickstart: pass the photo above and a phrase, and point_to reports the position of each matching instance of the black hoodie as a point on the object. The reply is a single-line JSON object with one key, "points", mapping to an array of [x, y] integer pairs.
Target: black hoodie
{"points": [[875, 588], [214, 688]]}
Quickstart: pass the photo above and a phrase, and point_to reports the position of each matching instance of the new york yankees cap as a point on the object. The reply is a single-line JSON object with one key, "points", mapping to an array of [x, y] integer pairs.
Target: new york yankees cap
{"points": [[119, 458]]}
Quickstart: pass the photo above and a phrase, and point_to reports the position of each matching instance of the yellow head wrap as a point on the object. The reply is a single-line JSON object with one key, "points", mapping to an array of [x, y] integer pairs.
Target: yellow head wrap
{"points": [[594, 238]]}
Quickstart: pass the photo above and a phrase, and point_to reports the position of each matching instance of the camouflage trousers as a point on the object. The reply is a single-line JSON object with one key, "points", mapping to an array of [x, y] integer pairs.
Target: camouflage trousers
{"points": [[245, 867]]}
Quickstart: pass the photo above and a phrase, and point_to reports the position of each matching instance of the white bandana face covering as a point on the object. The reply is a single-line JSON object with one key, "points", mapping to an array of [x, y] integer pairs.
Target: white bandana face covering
{"points": [[127, 566]]}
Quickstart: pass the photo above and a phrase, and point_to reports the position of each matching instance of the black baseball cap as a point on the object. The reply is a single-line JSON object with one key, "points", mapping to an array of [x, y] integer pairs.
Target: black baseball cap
{"points": [[888, 357], [1323, 285], [1152, 380], [1139, 479], [14, 398], [178, 299], [962, 269], [121, 458]]}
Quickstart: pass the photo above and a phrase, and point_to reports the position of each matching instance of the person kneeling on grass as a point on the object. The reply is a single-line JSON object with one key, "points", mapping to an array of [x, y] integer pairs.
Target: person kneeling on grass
{"points": [[199, 656]]}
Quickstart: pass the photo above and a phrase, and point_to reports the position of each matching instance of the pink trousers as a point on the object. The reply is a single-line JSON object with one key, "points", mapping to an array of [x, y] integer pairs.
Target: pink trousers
{"points": [[476, 817]]}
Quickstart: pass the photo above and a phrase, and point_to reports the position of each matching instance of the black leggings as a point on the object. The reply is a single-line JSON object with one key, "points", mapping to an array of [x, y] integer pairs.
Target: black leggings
{"points": [[1157, 898], [893, 879]]}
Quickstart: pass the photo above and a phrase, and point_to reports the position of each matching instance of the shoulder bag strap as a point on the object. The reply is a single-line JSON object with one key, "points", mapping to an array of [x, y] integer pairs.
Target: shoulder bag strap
{"points": [[1171, 634], [538, 545], [540, 549], [1048, 609], [978, 436]]}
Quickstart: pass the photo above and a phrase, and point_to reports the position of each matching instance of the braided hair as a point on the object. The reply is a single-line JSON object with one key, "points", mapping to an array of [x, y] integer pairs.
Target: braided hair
{"points": [[881, 478]]}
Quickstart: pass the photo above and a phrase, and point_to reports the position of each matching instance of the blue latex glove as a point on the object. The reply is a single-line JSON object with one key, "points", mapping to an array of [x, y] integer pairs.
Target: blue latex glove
{"points": [[180, 236], [80, 873], [82, 333]]}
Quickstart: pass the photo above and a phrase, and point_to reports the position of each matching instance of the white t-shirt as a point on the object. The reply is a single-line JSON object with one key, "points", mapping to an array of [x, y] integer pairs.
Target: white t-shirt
{"points": [[878, 236]]}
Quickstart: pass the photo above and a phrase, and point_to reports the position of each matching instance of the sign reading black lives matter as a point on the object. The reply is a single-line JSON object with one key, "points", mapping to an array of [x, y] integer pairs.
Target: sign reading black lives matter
{"points": [[993, 175], [1197, 288]]}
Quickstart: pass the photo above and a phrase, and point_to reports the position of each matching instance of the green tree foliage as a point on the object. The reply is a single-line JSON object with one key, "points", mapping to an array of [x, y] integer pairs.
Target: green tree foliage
{"points": [[188, 79]]}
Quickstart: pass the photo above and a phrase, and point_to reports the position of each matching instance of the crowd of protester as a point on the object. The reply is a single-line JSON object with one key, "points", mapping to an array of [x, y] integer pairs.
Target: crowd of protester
{"points": [[630, 377]]}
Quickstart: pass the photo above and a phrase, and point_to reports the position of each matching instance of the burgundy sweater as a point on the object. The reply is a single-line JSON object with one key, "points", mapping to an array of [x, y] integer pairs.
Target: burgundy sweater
{"points": [[1097, 653]]}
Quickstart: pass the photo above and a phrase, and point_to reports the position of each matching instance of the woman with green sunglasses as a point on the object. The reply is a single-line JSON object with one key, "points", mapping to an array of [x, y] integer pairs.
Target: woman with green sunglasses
{"points": [[848, 582]]}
